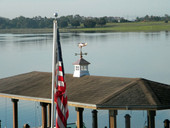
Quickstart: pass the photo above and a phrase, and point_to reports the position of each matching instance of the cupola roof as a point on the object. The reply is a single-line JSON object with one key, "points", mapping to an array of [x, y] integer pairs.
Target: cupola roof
{"points": [[81, 61]]}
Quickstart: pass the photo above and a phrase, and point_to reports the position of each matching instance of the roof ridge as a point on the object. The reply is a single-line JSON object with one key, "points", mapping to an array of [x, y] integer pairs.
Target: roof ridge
{"points": [[151, 96], [122, 89]]}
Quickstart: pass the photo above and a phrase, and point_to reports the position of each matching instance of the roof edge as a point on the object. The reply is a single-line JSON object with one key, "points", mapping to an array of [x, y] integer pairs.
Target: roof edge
{"points": [[82, 105], [45, 100], [134, 107]]}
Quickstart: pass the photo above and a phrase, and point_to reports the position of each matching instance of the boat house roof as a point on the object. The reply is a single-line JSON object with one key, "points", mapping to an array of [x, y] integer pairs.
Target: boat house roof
{"points": [[96, 92]]}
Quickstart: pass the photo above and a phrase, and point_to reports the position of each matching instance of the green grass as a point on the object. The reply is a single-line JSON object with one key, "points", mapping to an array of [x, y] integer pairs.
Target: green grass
{"points": [[109, 27], [26, 30], [128, 27]]}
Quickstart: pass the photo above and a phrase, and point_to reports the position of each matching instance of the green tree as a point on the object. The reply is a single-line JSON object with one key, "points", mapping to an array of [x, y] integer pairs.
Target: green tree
{"points": [[69, 18], [167, 17], [101, 21], [89, 23], [63, 23], [146, 18], [166, 21], [4, 23], [75, 23], [78, 18], [19, 22]]}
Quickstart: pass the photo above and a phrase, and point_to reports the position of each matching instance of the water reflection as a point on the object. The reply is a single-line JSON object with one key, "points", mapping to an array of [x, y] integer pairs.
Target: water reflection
{"points": [[167, 34], [32, 35], [152, 35], [2, 39], [32, 38]]}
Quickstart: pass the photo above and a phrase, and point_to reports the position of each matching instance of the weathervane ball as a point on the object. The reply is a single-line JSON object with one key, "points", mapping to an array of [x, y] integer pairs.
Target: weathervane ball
{"points": [[56, 14]]}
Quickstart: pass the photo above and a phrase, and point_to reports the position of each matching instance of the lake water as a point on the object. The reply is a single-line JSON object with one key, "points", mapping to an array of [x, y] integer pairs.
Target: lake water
{"points": [[131, 54]]}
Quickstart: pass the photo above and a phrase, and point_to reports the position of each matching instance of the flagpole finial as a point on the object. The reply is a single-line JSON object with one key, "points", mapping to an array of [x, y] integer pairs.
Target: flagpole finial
{"points": [[55, 14]]}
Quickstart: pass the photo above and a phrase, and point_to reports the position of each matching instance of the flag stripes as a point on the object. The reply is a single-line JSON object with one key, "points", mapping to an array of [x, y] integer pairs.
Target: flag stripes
{"points": [[60, 94]]}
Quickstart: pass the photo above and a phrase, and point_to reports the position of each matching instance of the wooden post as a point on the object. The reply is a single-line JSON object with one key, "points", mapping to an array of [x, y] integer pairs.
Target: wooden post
{"points": [[94, 116], [44, 114], [15, 113], [166, 123], [79, 117], [49, 115], [127, 121], [112, 119], [151, 118]]}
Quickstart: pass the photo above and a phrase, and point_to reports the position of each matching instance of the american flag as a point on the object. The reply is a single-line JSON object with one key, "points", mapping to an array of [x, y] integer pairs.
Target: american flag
{"points": [[60, 96]]}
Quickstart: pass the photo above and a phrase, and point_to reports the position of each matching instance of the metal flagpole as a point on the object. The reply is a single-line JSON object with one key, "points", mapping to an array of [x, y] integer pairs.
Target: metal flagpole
{"points": [[53, 69]]}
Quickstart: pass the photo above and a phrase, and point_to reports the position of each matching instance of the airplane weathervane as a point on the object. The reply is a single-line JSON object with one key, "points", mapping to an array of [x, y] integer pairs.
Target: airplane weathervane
{"points": [[80, 45]]}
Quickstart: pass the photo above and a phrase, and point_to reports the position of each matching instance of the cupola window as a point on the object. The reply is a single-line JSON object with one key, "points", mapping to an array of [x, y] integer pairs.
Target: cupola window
{"points": [[77, 67], [83, 68]]}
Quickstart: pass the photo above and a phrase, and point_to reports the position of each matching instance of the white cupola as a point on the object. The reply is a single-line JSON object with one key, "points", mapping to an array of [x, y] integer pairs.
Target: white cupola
{"points": [[81, 65]]}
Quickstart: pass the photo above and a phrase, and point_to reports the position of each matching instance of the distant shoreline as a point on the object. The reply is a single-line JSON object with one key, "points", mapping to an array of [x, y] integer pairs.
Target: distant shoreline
{"points": [[110, 27]]}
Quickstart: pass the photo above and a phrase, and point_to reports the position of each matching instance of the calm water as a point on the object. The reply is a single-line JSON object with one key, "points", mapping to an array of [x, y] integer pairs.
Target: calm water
{"points": [[110, 54]]}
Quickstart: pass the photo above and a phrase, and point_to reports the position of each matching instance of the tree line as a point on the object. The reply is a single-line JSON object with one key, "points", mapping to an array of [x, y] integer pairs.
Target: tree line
{"points": [[70, 21], [165, 18]]}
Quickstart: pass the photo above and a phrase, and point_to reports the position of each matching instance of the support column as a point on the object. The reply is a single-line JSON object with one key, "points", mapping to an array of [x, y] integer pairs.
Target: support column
{"points": [[49, 115], [127, 121], [15, 113], [44, 114], [151, 118], [112, 119], [166, 123], [79, 117], [94, 117]]}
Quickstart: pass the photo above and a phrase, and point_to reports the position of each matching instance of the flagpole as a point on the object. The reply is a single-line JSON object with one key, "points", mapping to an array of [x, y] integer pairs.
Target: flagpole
{"points": [[53, 71]]}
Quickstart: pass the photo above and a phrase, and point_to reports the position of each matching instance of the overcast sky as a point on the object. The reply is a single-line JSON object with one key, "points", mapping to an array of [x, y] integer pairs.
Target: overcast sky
{"points": [[96, 8]]}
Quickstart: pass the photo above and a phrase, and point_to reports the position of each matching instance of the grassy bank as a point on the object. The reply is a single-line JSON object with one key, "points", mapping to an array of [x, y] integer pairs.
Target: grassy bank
{"points": [[128, 27], [26, 30], [109, 27]]}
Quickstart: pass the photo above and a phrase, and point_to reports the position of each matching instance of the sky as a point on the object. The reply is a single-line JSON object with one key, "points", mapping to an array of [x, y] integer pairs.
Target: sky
{"points": [[95, 8]]}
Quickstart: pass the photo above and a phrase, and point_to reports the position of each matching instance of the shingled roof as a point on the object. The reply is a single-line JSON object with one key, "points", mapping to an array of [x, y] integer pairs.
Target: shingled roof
{"points": [[97, 92]]}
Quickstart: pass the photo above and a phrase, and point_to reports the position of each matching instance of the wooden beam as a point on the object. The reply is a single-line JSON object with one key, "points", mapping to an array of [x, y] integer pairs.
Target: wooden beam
{"points": [[79, 117], [94, 118], [15, 113], [151, 118], [112, 119], [166, 123], [127, 121], [44, 114], [49, 115]]}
